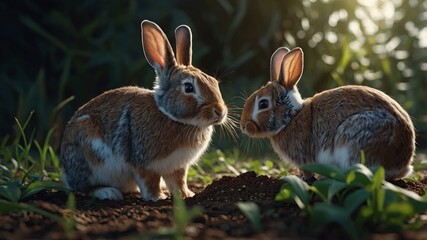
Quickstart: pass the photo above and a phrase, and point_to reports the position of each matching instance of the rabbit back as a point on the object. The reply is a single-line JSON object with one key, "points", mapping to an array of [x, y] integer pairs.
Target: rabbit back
{"points": [[335, 125]]}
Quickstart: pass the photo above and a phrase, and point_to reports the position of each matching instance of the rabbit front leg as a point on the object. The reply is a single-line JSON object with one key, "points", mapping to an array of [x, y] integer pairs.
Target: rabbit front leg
{"points": [[177, 181], [149, 185]]}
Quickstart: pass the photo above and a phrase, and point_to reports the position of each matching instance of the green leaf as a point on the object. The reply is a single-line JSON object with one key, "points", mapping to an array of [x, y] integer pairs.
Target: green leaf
{"points": [[269, 164], [10, 192], [7, 207], [320, 189], [299, 188], [182, 215], [335, 188], [359, 174], [285, 194], [38, 186], [252, 212], [4, 172], [419, 203], [398, 213], [324, 214], [362, 157], [326, 170], [378, 178], [355, 199]]}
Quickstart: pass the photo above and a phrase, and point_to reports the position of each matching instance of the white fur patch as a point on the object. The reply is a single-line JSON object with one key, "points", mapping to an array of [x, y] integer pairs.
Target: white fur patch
{"points": [[113, 170], [256, 110], [180, 158], [196, 93], [142, 187], [82, 117], [144, 191], [108, 193], [163, 110], [102, 149], [296, 99], [339, 157]]}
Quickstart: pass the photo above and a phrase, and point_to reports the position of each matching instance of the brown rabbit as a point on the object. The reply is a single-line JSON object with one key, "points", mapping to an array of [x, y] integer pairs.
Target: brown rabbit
{"points": [[332, 126], [131, 137]]}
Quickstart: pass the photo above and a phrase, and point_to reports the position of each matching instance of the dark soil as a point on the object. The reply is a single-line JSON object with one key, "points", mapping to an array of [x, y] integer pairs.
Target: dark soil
{"points": [[221, 219]]}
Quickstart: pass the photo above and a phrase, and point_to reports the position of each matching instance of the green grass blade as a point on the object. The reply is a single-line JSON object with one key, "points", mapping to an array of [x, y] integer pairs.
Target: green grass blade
{"points": [[30, 23], [62, 104], [7, 207], [27, 172], [362, 157], [42, 160], [38, 186], [54, 158]]}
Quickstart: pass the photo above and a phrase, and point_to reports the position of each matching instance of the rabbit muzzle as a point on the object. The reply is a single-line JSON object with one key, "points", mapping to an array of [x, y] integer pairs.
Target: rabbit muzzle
{"points": [[219, 114]]}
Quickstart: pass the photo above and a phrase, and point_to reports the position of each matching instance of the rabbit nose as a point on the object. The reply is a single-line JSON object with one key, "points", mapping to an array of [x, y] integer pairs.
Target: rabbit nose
{"points": [[219, 113]]}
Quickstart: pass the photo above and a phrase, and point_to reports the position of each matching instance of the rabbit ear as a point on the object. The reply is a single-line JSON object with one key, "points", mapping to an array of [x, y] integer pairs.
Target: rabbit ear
{"points": [[183, 45], [276, 63], [157, 48], [292, 67]]}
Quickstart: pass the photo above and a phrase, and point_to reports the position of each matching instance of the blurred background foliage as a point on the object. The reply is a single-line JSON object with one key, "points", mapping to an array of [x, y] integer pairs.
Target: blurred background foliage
{"points": [[56, 55]]}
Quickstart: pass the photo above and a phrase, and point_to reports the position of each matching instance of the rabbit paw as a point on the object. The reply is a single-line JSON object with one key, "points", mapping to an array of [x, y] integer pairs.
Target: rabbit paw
{"points": [[187, 193], [108, 193], [159, 196]]}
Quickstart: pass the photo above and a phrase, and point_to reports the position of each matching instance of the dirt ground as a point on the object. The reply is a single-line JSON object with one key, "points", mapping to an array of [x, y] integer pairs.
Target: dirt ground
{"points": [[133, 218]]}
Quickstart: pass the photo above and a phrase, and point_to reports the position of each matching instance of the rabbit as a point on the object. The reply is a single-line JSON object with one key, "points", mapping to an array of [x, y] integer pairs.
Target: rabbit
{"points": [[331, 127], [127, 139]]}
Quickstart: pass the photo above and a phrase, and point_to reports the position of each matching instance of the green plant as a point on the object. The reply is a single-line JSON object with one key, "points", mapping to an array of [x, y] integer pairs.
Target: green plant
{"points": [[67, 222], [23, 174], [19, 157], [356, 199], [17, 190], [182, 217], [216, 163], [252, 212]]}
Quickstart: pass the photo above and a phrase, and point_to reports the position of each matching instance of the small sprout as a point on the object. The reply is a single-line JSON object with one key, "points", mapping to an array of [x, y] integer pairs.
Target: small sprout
{"points": [[252, 212]]}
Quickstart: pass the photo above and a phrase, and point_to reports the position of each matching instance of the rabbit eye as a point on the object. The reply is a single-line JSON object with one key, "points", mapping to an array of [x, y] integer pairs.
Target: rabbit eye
{"points": [[263, 104], [188, 88]]}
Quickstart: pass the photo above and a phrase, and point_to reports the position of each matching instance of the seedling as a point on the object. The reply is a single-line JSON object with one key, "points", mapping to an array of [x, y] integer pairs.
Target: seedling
{"points": [[182, 218], [355, 199], [252, 212]]}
